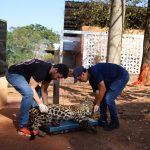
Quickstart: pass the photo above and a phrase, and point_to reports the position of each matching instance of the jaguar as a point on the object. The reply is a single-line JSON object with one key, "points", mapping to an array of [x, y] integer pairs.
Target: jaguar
{"points": [[57, 113]]}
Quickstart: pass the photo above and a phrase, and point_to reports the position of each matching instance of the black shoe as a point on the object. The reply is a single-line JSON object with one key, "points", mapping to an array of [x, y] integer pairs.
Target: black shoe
{"points": [[102, 123], [111, 126]]}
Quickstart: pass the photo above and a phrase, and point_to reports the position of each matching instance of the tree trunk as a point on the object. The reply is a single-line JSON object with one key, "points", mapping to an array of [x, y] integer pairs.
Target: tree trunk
{"points": [[115, 31], [144, 76]]}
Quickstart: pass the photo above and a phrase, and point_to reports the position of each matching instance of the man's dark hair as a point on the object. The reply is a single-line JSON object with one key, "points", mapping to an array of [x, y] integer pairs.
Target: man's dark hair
{"points": [[62, 69]]}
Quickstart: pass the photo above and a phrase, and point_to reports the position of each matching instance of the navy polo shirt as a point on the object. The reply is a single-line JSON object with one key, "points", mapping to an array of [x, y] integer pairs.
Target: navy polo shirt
{"points": [[106, 72], [36, 68]]}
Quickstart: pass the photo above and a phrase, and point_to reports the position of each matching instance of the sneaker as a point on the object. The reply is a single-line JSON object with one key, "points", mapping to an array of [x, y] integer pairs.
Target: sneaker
{"points": [[111, 126], [26, 131], [102, 123]]}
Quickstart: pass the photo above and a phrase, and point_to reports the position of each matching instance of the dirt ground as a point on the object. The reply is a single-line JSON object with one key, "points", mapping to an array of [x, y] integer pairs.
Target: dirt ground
{"points": [[134, 132]]}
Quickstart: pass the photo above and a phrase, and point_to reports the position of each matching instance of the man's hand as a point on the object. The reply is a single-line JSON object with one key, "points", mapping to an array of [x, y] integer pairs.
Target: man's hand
{"points": [[43, 108], [96, 108]]}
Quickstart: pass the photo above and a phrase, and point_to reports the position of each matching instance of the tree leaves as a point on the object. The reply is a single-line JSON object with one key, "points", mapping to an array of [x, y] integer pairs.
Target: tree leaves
{"points": [[93, 13], [22, 41]]}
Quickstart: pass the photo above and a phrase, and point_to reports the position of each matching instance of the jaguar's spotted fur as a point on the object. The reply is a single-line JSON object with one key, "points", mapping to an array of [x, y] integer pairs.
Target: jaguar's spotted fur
{"points": [[79, 113]]}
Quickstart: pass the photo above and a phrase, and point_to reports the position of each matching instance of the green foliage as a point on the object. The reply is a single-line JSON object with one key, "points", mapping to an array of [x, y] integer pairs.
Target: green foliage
{"points": [[135, 18], [93, 14], [49, 57], [18, 56], [98, 14], [22, 41]]}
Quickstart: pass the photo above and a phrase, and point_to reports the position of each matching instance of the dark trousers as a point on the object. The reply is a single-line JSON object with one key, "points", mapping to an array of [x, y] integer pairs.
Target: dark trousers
{"points": [[113, 91]]}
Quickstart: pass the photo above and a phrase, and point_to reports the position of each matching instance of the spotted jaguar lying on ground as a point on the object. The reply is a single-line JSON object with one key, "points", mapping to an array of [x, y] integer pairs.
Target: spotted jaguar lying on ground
{"points": [[79, 113]]}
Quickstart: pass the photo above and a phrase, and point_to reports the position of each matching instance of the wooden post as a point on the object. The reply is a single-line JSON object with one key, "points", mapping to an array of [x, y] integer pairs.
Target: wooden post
{"points": [[58, 59], [56, 92], [56, 82]]}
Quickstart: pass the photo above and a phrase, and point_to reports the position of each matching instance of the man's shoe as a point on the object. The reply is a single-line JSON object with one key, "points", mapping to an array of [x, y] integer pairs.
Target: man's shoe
{"points": [[111, 126], [26, 132], [102, 123]]}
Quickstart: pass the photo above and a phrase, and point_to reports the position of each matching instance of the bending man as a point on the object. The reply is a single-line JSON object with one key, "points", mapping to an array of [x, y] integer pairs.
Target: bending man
{"points": [[107, 81], [31, 79]]}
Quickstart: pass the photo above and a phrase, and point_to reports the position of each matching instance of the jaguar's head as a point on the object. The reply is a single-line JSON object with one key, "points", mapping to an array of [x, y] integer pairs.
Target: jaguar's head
{"points": [[87, 107]]}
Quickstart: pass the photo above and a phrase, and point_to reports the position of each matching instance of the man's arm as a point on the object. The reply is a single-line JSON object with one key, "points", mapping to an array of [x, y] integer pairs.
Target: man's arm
{"points": [[100, 93], [33, 84], [44, 92]]}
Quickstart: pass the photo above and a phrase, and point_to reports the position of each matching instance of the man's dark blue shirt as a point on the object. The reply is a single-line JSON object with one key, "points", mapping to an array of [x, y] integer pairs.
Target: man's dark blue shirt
{"points": [[106, 72]]}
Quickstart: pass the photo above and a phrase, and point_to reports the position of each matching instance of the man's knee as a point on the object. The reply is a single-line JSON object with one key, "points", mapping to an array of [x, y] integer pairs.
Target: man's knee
{"points": [[109, 99], [28, 92]]}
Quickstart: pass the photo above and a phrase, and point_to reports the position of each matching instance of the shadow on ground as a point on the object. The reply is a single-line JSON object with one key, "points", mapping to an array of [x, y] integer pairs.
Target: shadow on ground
{"points": [[134, 113], [132, 135], [11, 113]]}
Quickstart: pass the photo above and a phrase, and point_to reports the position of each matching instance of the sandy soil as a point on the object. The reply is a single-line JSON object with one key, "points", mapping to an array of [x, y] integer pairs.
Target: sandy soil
{"points": [[134, 113]]}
